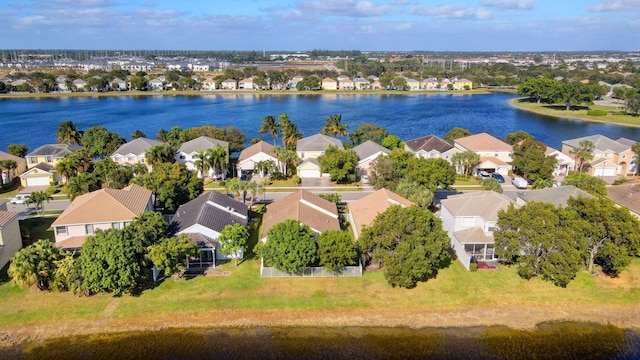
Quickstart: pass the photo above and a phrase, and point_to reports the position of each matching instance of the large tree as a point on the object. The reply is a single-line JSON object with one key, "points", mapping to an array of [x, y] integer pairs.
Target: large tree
{"points": [[366, 132], [290, 247], [34, 264], [542, 240], [409, 243], [339, 164], [270, 125], [531, 162], [170, 254], [7, 165], [171, 184], [456, 133], [582, 153], [232, 239], [515, 137], [161, 153], [590, 184], [81, 184], [336, 250], [68, 133], [432, 173], [572, 93], [538, 89], [334, 126], [414, 191], [465, 161], [101, 142], [19, 150], [38, 198]]}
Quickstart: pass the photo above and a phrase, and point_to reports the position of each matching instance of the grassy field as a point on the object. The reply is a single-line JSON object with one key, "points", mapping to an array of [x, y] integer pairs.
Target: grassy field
{"points": [[578, 112]]}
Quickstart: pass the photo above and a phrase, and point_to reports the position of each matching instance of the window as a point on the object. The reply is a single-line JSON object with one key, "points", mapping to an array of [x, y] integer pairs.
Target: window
{"points": [[115, 225], [49, 159], [301, 155], [181, 157], [127, 223], [496, 154], [88, 229], [61, 230], [33, 159]]}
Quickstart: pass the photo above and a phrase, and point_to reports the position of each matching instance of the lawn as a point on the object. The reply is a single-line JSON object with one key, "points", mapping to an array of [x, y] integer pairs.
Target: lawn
{"points": [[578, 112]]}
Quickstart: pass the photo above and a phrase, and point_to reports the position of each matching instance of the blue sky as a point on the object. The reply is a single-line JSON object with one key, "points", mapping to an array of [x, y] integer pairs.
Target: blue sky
{"points": [[391, 25]]}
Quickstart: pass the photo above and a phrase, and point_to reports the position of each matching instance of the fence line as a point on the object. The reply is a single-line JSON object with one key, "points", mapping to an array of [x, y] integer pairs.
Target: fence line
{"points": [[315, 271]]}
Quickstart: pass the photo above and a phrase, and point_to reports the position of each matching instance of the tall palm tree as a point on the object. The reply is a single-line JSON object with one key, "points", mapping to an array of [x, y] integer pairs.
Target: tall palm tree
{"points": [[81, 184], [38, 199], [68, 134], [160, 153], [255, 189], [582, 153], [270, 125], [290, 136], [334, 126], [84, 158], [217, 159], [67, 166], [289, 158], [278, 151], [201, 163]]}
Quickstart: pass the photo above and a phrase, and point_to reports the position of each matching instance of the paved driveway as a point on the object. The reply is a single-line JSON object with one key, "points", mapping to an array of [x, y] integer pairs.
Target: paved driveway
{"points": [[315, 182]]}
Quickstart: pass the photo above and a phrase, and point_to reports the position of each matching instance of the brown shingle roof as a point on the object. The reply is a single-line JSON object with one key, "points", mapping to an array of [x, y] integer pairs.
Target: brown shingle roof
{"points": [[6, 216], [260, 147], [310, 209], [106, 205], [365, 210], [627, 195], [428, 143], [474, 235], [483, 142]]}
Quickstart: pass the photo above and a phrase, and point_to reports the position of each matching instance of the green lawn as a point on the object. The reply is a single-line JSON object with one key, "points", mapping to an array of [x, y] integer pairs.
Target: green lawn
{"points": [[578, 112]]}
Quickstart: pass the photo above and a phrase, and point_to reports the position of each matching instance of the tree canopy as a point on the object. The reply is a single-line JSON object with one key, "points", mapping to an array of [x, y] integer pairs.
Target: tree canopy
{"points": [[170, 254], [336, 250], [340, 164], [232, 239], [456, 133], [290, 247], [366, 132], [171, 184], [531, 162], [101, 142]]}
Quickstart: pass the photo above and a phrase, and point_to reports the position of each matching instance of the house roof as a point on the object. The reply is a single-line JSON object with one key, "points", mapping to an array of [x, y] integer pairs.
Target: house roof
{"points": [[7, 156], [40, 166], [201, 241], [74, 242], [627, 195], [626, 141], [137, 146], [310, 209], [212, 210], [485, 204], [474, 235], [260, 147], [202, 143], [557, 196], [365, 210], [318, 142], [369, 148], [428, 143], [106, 205], [601, 143], [483, 142], [492, 159], [57, 150], [6, 217]]}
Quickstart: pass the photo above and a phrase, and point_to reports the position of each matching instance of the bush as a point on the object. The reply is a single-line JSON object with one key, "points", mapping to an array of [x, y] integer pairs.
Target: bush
{"points": [[597, 112], [297, 179], [278, 176], [620, 181], [222, 183], [473, 267], [53, 183]]}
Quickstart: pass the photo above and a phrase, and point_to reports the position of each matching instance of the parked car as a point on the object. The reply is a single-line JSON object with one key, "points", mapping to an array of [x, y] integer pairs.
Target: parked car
{"points": [[20, 198], [498, 177], [519, 182], [364, 179], [485, 175]]}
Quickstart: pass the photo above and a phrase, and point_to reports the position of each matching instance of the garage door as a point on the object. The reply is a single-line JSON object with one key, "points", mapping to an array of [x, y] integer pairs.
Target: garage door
{"points": [[604, 172], [37, 181], [305, 173]]}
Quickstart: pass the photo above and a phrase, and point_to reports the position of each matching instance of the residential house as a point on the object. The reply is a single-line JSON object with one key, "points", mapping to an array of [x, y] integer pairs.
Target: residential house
{"points": [[345, 84], [495, 155], [245, 84], [557, 196], [249, 157], [293, 83], [626, 195], [367, 152], [79, 84], [308, 150], [462, 84], [9, 174], [134, 151], [309, 209], [610, 157], [429, 84], [203, 219], [101, 209], [375, 85], [156, 84], [188, 151], [10, 238], [413, 84], [363, 211], [430, 147], [229, 84], [41, 164], [361, 84], [329, 84], [444, 84], [564, 162], [470, 220], [119, 85], [209, 84]]}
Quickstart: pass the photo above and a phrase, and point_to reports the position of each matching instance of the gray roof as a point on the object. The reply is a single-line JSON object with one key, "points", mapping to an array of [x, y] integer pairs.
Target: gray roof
{"points": [[203, 210], [137, 146], [428, 143], [56, 150], [557, 196], [601, 143], [318, 142], [202, 143], [369, 148], [626, 141], [484, 204]]}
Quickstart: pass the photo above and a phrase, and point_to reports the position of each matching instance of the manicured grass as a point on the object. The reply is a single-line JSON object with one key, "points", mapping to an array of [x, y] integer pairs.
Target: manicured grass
{"points": [[281, 183], [577, 113], [462, 181]]}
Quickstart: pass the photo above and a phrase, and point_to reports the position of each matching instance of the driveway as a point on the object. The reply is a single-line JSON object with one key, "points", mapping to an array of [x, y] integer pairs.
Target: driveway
{"points": [[315, 182]]}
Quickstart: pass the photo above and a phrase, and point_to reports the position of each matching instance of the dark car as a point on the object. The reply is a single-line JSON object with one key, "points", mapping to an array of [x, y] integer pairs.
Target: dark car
{"points": [[498, 177]]}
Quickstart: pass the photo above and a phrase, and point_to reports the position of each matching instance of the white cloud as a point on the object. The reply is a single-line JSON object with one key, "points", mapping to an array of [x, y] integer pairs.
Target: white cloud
{"points": [[453, 12], [347, 8], [85, 3], [402, 26], [509, 4], [616, 5]]}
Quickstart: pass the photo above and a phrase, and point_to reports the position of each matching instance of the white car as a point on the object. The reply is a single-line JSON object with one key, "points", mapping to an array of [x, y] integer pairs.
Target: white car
{"points": [[364, 179], [20, 198], [519, 182]]}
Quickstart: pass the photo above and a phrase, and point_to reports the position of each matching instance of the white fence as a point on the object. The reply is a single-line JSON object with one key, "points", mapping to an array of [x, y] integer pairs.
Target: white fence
{"points": [[316, 271]]}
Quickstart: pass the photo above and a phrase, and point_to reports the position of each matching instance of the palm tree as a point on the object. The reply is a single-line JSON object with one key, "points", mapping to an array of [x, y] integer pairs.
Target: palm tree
{"points": [[34, 264], [582, 153], [289, 158], [334, 126], [68, 134], [270, 125], [67, 166], [264, 166], [37, 199], [81, 184], [83, 156], [138, 134], [290, 136], [278, 152], [217, 159], [160, 153], [201, 163], [255, 189]]}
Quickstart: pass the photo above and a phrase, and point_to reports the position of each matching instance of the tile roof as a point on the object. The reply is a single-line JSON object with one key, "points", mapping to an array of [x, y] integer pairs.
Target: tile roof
{"points": [[494, 160], [74, 242], [202, 143], [557, 196], [627, 195], [57, 150], [6, 216], [212, 210], [7, 156], [137, 146], [365, 210], [485, 204], [601, 143], [317, 142], [627, 142], [483, 142], [310, 209], [428, 143], [369, 148], [260, 147], [106, 205]]}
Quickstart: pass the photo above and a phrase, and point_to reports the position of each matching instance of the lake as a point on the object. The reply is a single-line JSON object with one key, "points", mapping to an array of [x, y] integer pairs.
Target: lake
{"points": [[35, 121], [546, 341]]}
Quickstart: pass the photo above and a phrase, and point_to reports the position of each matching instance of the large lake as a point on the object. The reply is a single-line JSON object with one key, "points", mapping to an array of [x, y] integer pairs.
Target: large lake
{"points": [[35, 121]]}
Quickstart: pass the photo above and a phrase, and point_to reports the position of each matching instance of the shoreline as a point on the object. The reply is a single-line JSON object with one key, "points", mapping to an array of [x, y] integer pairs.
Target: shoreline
{"points": [[513, 317]]}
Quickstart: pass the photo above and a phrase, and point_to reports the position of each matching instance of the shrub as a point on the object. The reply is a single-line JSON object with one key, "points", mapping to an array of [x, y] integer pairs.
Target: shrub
{"points": [[53, 183], [473, 267], [597, 112], [297, 179], [278, 176], [620, 181], [222, 183]]}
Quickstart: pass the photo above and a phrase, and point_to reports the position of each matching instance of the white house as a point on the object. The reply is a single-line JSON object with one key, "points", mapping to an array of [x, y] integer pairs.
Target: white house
{"points": [[187, 154]]}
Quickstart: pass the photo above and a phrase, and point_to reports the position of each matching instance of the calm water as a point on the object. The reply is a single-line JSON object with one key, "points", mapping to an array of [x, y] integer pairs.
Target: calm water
{"points": [[35, 121], [547, 341]]}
